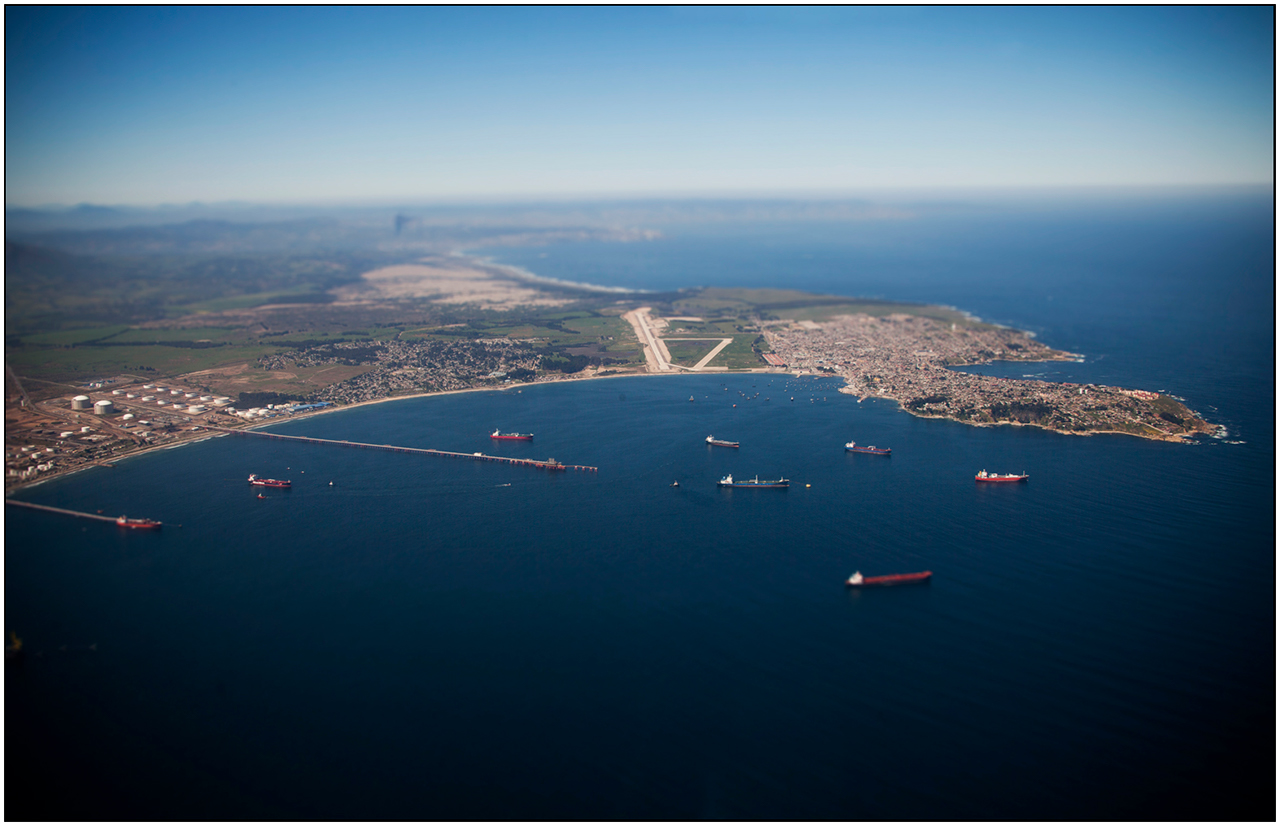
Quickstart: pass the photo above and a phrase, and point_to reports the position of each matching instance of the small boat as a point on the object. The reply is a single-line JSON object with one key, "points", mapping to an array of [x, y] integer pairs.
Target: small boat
{"points": [[983, 476], [727, 482], [260, 496], [139, 524], [519, 437], [269, 483], [854, 447], [721, 442], [675, 484], [858, 580], [691, 398]]}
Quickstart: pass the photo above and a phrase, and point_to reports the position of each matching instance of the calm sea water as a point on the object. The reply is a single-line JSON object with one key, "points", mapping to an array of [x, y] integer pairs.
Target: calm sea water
{"points": [[440, 639]]}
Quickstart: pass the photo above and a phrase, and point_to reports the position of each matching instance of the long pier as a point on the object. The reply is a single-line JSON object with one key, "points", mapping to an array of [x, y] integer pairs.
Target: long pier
{"points": [[62, 511], [549, 464]]}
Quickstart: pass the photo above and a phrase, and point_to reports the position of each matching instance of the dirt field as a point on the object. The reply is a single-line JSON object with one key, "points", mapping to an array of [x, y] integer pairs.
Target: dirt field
{"points": [[448, 282]]}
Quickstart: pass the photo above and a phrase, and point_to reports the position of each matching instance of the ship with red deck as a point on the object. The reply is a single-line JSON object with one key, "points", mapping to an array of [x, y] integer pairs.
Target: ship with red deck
{"points": [[516, 437], [711, 440], [854, 447], [983, 476], [268, 483], [138, 524], [858, 580]]}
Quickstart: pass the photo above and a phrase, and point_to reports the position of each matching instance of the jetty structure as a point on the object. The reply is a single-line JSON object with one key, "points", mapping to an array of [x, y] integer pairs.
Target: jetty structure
{"points": [[547, 464], [120, 521]]}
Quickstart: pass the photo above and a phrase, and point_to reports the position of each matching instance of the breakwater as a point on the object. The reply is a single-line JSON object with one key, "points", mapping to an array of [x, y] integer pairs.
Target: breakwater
{"points": [[63, 511], [544, 464]]}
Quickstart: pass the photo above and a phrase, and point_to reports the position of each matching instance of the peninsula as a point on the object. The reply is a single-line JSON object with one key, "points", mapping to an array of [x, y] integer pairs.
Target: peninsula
{"points": [[89, 393]]}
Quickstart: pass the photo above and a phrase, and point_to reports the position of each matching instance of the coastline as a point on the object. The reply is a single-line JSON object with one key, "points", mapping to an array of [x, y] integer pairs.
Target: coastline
{"points": [[1175, 438], [58, 474], [847, 389]]}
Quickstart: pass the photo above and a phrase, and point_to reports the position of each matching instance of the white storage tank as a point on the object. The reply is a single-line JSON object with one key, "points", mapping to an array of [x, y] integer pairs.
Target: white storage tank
{"points": [[104, 407], [66, 434], [80, 403], [196, 408], [221, 401], [128, 417], [117, 392], [130, 395], [148, 398]]}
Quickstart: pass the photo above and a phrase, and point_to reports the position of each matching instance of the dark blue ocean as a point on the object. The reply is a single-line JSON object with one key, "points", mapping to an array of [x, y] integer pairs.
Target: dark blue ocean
{"points": [[439, 639]]}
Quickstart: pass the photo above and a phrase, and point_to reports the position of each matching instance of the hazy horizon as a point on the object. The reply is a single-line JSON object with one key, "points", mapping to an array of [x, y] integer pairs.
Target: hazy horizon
{"points": [[145, 106]]}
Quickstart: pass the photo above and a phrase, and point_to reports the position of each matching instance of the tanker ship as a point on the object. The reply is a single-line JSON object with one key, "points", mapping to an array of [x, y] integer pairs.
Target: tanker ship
{"points": [[268, 483], [140, 524], [858, 580], [517, 437], [853, 447], [983, 476], [727, 482], [720, 442]]}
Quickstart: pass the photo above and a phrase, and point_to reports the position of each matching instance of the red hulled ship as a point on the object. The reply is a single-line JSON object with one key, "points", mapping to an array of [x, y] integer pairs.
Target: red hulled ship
{"points": [[138, 524], [268, 483], [516, 437], [858, 580], [983, 476]]}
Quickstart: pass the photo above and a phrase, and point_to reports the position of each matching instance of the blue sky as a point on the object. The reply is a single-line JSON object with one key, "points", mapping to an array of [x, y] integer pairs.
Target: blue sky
{"points": [[147, 105]]}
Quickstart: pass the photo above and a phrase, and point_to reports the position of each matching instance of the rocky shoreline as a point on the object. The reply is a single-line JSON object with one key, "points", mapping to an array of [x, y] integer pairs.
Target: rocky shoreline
{"points": [[909, 358]]}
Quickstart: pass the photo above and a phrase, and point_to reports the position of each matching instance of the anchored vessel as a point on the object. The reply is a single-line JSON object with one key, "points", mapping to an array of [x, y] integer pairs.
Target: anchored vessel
{"points": [[727, 482], [720, 442], [858, 580], [268, 483], [142, 524], [516, 437], [983, 476], [855, 448]]}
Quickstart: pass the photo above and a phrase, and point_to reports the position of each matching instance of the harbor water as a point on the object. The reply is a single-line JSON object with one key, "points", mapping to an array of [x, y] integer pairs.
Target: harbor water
{"points": [[405, 636]]}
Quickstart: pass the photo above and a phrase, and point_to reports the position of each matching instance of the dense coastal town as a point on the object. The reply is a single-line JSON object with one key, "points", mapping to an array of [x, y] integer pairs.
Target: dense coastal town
{"points": [[907, 359]]}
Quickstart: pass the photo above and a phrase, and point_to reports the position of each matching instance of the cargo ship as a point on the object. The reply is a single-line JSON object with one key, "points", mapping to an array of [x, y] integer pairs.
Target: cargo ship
{"points": [[983, 476], [517, 437], [720, 442], [853, 447], [858, 580], [268, 483], [727, 482], [139, 524]]}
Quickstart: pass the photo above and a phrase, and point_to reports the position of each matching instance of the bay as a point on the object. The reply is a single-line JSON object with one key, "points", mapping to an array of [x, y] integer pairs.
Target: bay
{"points": [[441, 639]]}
